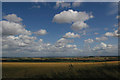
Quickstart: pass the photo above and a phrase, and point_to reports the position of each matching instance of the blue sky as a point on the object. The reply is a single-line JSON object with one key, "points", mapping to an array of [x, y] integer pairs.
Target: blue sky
{"points": [[37, 16]]}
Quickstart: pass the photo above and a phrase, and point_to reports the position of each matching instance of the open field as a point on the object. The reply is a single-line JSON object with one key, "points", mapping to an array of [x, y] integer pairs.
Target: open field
{"points": [[61, 59], [61, 70]]}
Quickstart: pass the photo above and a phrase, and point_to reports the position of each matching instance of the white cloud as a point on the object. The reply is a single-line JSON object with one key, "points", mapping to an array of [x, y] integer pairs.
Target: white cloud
{"points": [[63, 40], [71, 35], [89, 41], [76, 4], [96, 33], [36, 0], [101, 38], [109, 34], [79, 25], [77, 18], [112, 34], [74, 47], [117, 17], [102, 47], [71, 46], [61, 4], [27, 39], [26, 45], [71, 16], [63, 44], [21, 40], [15, 45], [11, 28], [13, 18], [41, 32], [36, 6]]}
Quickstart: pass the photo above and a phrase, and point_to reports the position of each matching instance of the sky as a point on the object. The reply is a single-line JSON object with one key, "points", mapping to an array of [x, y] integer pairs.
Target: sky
{"points": [[52, 29]]}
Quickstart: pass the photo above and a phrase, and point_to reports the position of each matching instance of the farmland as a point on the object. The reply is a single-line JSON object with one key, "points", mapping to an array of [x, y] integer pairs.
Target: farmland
{"points": [[68, 69], [61, 59]]}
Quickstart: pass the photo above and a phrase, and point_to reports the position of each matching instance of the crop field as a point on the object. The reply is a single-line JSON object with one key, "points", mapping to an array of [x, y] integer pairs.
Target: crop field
{"points": [[60, 70]]}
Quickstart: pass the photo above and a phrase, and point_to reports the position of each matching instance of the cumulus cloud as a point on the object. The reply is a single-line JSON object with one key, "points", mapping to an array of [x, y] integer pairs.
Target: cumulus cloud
{"points": [[79, 25], [12, 28], [101, 49], [17, 41], [63, 40], [101, 38], [77, 18], [112, 34], [89, 41], [41, 32], [27, 44], [109, 34], [21, 43], [27, 39], [64, 44], [13, 18], [21, 40], [71, 35], [71, 16], [102, 46]]}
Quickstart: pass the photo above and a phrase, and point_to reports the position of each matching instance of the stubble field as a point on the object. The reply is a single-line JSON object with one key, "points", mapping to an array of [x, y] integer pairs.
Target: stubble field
{"points": [[52, 70]]}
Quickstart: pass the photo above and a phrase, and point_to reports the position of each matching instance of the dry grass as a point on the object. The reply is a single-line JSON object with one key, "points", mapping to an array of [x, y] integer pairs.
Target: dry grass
{"points": [[32, 69]]}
